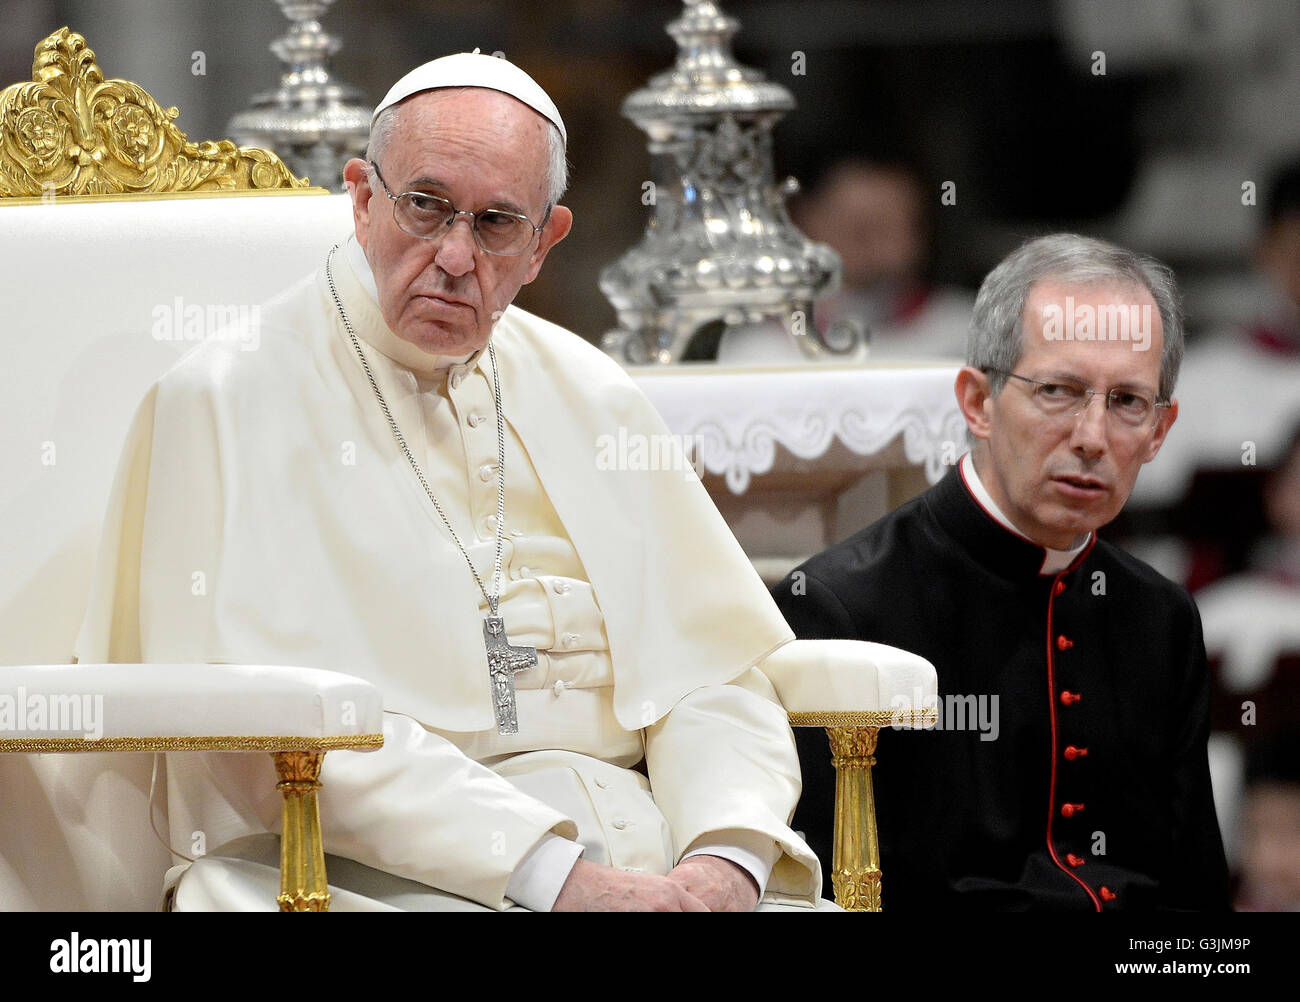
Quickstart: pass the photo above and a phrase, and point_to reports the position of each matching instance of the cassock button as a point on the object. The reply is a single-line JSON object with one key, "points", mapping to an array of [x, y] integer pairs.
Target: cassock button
{"points": [[1107, 894], [1063, 643], [1071, 752], [570, 640], [1068, 697], [1074, 861], [525, 572], [487, 471], [1060, 587], [456, 378], [476, 419], [562, 587], [1070, 810], [621, 823]]}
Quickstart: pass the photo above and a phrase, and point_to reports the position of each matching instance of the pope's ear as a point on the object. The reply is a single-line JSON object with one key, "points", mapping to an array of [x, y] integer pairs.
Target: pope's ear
{"points": [[556, 229], [974, 398], [356, 175]]}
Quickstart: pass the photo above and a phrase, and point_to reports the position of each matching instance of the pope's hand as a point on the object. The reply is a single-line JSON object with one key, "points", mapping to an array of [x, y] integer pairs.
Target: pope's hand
{"points": [[719, 883], [595, 888]]}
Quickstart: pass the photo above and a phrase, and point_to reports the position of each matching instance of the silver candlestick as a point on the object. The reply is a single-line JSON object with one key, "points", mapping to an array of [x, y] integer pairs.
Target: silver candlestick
{"points": [[719, 245], [312, 121]]}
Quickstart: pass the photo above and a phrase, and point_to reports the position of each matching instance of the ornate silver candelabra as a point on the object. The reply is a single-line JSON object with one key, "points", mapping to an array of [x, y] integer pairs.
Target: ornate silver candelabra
{"points": [[719, 246], [313, 122]]}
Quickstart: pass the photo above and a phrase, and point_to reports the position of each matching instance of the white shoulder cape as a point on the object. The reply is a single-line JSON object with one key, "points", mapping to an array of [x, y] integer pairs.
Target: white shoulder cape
{"points": [[263, 514]]}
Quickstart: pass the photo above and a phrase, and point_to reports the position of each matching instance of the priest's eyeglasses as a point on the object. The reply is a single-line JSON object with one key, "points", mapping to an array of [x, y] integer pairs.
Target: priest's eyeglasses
{"points": [[429, 217], [1064, 399]]}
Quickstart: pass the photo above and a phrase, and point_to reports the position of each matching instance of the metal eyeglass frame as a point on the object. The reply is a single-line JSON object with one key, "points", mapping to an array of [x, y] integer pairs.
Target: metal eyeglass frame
{"points": [[1088, 394], [456, 213]]}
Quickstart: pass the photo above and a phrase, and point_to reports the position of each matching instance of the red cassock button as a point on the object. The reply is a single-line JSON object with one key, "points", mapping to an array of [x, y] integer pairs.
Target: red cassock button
{"points": [[1063, 643], [1068, 697], [1073, 860], [1060, 587], [1107, 894], [1071, 752], [1070, 810]]}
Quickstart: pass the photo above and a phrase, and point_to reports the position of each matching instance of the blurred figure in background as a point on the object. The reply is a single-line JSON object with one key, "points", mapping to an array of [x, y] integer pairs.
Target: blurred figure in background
{"points": [[1252, 636], [1240, 383], [1278, 556], [875, 216], [1252, 620], [1268, 879], [1276, 326]]}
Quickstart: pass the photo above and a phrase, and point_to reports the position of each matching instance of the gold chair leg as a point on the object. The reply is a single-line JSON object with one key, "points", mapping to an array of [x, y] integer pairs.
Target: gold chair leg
{"points": [[856, 861], [303, 887]]}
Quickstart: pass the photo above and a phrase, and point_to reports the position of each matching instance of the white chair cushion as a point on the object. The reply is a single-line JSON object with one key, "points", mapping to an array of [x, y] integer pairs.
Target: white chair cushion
{"points": [[873, 682], [264, 705]]}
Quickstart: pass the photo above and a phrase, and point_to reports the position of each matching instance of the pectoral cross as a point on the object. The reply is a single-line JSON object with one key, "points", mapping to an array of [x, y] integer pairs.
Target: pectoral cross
{"points": [[503, 662]]}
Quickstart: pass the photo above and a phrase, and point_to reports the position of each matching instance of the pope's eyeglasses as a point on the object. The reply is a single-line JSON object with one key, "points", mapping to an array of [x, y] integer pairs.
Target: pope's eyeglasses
{"points": [[1062, 399], [429, 217]]}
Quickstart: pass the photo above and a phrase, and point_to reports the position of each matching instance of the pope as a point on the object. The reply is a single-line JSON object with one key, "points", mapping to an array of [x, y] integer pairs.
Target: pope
{"points": [[401, 483]]}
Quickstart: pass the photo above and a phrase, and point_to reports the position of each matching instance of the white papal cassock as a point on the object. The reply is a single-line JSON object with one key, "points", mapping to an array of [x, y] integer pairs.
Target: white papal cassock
{"points": [[262, 513]]}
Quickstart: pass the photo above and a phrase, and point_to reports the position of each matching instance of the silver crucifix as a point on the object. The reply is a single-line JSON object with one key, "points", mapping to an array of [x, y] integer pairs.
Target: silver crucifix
{"points": [[503, 662]]}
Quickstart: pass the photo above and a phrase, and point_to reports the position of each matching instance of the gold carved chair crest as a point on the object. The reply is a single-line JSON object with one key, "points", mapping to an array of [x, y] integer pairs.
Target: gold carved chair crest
{"points": [[70, 132]]}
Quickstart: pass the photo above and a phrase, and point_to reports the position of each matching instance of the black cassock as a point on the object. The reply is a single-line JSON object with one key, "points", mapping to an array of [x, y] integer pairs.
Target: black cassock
{"points": [[1095, 792]]}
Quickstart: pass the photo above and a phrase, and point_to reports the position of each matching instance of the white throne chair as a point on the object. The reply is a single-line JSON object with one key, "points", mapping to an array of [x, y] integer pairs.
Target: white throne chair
{"points": [[102, 253], [103, 250]]}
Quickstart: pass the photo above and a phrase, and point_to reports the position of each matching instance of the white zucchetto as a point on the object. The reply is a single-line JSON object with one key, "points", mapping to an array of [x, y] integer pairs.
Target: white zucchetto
{"points": [[474, 69]]}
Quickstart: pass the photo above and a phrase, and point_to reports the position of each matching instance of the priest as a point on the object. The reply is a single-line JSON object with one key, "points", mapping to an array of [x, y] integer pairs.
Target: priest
{"points": [[401, 484], [1068, 768]]}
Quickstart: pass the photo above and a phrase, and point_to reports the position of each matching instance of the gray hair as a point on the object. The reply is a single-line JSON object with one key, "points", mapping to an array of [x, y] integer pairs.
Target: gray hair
{"points": [[557, 167], [997, 323]]}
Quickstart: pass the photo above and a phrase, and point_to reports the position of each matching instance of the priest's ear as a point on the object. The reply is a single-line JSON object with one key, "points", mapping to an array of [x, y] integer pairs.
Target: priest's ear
{"points": [[1165, 420], [356, 175], [556, 229], [975, 399]]}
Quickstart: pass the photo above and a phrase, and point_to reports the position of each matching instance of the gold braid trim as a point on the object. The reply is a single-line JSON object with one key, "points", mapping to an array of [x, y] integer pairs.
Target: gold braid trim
{"points": [[164, 744], [865, 718]]}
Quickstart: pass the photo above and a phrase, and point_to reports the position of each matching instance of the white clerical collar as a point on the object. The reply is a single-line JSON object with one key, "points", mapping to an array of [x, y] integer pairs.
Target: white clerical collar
{"points": [[378, 335], [1054, 561]]}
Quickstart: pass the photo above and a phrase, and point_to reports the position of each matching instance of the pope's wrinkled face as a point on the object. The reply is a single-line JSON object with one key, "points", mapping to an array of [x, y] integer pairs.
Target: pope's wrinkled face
{"points": [[1056, 474], [478, 149]]}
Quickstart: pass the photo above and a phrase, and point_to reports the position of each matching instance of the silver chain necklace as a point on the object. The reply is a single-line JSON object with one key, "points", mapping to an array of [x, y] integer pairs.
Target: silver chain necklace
{"points": [[504, 660]]}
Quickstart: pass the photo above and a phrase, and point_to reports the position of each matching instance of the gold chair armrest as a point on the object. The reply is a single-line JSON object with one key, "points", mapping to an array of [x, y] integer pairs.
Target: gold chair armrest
{"points": [[853, 689]]}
